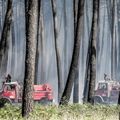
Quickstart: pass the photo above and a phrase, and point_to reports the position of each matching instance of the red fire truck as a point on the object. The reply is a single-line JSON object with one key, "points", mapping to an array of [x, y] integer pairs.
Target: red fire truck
{"points": [[12, 93], [107, 92]]}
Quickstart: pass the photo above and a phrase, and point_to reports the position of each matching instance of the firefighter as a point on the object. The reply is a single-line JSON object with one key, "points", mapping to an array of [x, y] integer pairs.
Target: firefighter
{"points": [[105, 76], [8, 78]]}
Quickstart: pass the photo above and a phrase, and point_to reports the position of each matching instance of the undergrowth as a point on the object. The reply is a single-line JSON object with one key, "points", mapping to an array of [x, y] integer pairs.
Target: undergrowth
{"points": [[70, 112]]}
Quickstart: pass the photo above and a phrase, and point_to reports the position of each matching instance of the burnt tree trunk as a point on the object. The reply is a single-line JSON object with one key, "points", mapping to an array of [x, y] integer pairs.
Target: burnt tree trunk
{"points": [[75, 10], [42, 51], [31, 40], [4, 42], [87, 70], [37, 47], [87, 73], [113, 44], [75, 57], [93, 51], [60, 81], [76, 81]]}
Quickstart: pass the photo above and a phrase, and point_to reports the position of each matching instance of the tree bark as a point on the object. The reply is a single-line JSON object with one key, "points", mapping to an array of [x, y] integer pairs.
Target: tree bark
{"points": [[113, 42], [31, 40], [118, 18], [13, 46], [87, 73], [87, 70], [75, 58], [60, 82], [37, 47], [75, 10], [4, 42], [76, 81], [42, 49], [93, 51]]}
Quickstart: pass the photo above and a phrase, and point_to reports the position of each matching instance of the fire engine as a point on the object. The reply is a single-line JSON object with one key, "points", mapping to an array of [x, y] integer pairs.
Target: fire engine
{"points": [[12, 93], [107, 92]]}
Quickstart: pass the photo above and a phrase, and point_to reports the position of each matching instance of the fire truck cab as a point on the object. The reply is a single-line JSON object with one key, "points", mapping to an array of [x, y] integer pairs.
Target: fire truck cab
{"points": [[107, 92]]}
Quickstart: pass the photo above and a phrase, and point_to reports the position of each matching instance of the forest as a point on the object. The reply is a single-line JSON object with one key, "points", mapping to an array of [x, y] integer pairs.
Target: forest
{"points": [[63, 54]]}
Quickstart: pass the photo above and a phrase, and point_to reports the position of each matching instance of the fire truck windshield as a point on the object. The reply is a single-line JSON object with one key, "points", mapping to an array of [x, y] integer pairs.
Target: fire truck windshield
{"points": [[102, 86]]}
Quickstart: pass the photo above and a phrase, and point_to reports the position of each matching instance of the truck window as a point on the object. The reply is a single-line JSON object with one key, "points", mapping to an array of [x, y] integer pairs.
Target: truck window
{"points": [[7, 88], [102, 86]]}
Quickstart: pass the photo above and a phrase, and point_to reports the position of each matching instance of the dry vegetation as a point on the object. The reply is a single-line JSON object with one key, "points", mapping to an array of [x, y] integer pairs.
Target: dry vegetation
{"points": [[71, 112]]}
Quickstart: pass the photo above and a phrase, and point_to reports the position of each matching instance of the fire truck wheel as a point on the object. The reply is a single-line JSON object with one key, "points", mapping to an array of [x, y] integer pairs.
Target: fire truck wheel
{"points": [[98, 100], [4, 101]]}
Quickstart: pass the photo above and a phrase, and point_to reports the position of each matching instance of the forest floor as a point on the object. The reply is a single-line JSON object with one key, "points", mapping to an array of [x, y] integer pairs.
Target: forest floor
{"points": [[70, 112]]}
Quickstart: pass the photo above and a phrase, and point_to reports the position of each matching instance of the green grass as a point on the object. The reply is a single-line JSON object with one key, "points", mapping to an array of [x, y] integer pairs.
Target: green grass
{"points": [[70, 112]]}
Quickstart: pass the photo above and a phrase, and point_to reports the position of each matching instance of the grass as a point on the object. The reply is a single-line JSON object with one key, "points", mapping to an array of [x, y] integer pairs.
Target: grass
{"points": [[70, 112]]}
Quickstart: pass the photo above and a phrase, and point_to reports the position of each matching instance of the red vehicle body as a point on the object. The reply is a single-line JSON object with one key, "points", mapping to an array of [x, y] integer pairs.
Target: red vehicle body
{"points": [[107, 92], [12, 93]]}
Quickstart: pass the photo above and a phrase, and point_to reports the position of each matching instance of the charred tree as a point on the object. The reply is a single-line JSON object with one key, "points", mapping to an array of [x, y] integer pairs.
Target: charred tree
{"points": [[93, 51], [76, 81], [118, 22], [75, 9], [60, 81], [113, 42], [13, 45], [75, 57], [87, 73], [4, 42], [31, 40], [37, 47], [87, 70]]}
